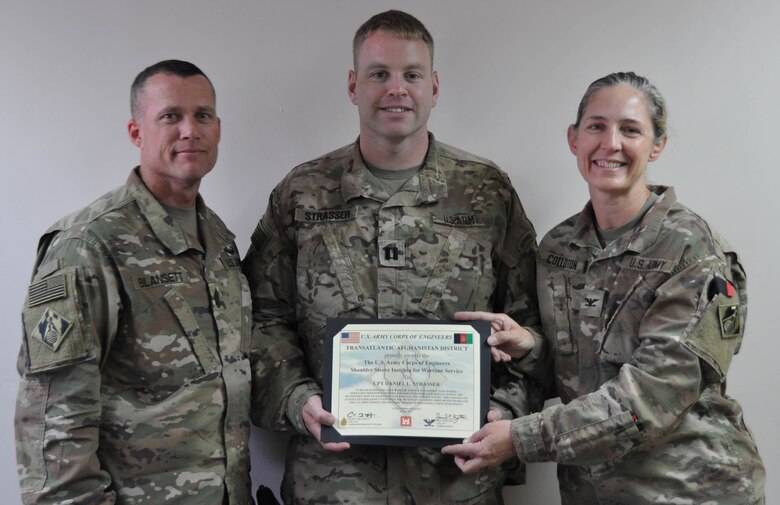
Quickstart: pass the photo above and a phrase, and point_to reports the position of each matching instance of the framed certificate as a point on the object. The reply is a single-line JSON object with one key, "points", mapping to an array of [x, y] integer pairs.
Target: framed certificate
{"points": [[406, 382]]}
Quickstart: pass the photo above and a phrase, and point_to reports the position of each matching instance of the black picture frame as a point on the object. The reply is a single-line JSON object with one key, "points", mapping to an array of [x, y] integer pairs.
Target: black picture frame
{"points": [[336, 325]]}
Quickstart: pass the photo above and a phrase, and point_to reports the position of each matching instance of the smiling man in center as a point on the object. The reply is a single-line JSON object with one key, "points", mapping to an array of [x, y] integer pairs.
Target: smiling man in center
{"points": [[393, 226]]}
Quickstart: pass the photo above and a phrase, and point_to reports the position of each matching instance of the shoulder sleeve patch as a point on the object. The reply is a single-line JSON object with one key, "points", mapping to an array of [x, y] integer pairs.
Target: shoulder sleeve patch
{"points": [[716, 335], [46, 290], [54, 329], [730, 321], [265, 241], [51, 329], [519, 243]]}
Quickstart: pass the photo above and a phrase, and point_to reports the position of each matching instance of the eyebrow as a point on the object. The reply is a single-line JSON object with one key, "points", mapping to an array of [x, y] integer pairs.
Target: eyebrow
{"points": [[379, 65], [604, 118], [168, 110], [178, 109]]}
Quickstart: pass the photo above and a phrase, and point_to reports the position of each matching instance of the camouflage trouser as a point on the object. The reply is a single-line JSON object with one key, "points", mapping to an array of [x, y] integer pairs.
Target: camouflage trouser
{"points": [[374, 475], [577, 489]]}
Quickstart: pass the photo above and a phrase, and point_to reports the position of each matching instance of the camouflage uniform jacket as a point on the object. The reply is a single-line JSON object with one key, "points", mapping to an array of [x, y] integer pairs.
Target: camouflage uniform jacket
{"points": [[126, 395], [642, 333], [332, 245]]}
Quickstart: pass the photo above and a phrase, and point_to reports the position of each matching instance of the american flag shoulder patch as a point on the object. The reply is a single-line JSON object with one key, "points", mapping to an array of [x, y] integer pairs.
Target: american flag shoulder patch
{"points": [[46, 290]]}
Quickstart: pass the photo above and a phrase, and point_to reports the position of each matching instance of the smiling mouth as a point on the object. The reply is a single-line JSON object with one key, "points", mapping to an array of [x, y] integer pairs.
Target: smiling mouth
{"points": [[395, 109], [609, 164]]}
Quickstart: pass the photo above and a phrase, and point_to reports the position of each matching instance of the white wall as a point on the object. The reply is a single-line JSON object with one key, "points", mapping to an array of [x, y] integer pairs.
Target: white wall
{"points": [[511, 76]]}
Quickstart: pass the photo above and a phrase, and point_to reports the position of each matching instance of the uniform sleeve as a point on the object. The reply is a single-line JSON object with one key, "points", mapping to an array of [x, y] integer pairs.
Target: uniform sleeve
{"points": [[519, 387], [281, 383], [66, 323], [663, 378]]}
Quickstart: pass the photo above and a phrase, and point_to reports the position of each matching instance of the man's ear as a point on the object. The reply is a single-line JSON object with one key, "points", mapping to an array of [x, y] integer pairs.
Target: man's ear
{"points": [[351, 84], [134, 132], [435, 80]]}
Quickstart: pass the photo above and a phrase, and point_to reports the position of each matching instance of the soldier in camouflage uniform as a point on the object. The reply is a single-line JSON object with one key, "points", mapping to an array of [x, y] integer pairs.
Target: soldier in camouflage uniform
{"points": [[396, 225], [135, 361], [643, 306]]}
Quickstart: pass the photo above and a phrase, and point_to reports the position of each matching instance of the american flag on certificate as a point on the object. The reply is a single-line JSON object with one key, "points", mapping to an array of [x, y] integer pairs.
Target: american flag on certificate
{"points": [[350, 337]]}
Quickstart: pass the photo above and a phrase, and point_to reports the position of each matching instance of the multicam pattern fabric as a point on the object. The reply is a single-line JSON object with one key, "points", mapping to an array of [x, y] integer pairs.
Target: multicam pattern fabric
{"points": [[332, 245], [642, 332], [143, 397]]}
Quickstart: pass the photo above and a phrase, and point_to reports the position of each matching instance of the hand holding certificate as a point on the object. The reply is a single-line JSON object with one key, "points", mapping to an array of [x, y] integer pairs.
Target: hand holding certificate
{"points": [[399, 382]]}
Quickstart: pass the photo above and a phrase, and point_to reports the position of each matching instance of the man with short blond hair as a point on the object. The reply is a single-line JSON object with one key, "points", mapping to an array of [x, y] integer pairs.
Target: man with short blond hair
{"points": [[396, 225]]}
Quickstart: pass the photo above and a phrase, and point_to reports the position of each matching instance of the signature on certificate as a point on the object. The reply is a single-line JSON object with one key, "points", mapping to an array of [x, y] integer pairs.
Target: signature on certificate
{"points": [[360, 415]]}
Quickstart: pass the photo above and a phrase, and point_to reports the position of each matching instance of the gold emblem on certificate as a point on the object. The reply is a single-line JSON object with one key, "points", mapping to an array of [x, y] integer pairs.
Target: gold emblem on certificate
{"points": [[398, 382]]}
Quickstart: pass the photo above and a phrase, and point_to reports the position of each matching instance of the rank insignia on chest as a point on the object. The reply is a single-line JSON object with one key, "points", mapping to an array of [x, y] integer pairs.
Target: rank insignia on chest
{"points": [[591, 302], [392, 253], [51, 329]]}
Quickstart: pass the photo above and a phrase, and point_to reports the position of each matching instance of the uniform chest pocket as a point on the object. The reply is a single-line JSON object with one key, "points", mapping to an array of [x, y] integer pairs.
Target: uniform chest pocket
{"points": [[460, 276], [627, 305], [203, 353], [163, 352], [325, 273]]}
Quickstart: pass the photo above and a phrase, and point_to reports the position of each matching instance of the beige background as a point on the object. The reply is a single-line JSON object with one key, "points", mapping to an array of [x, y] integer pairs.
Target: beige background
{"points": [[511, 76]]}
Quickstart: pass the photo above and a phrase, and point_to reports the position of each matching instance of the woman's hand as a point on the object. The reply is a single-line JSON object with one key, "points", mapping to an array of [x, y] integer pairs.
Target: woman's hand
{"points": [[490, 446], [508, 340]]}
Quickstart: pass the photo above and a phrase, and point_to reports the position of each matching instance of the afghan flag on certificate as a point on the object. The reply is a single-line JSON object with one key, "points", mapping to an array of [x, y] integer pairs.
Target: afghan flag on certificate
{"points": [[350, 337], [462, 338]]}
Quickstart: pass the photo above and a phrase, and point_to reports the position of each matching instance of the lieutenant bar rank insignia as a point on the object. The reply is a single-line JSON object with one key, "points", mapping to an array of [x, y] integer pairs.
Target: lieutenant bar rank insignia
{"points": [[51, 329]]}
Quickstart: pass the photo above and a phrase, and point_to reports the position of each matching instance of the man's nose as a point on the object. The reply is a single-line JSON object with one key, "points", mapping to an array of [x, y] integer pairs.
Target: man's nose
{"points": [[396, 86], [189, 128]]}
